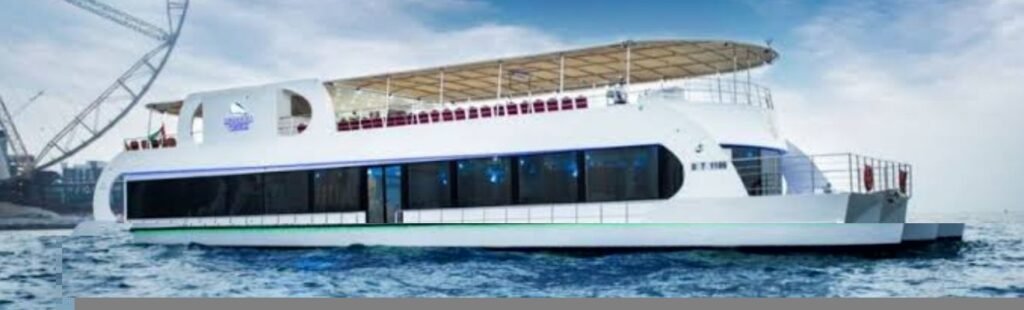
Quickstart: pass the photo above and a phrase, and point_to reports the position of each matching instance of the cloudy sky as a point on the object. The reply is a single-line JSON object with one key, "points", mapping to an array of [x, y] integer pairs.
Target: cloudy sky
{"points": [[939, 84]]}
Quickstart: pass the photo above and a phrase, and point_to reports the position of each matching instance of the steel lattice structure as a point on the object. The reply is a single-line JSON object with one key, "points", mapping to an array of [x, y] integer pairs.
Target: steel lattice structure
{"points": [[101, 114]]}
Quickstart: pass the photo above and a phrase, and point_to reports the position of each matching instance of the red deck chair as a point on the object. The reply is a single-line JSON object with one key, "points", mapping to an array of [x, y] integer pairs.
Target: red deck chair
{"points": [[460, 114], [538, 106], [435, 116], [473, 113], [447, 115], [566, 103], [512, 109], [424, 118], [524, 107], [552, 104], [581, 102]]}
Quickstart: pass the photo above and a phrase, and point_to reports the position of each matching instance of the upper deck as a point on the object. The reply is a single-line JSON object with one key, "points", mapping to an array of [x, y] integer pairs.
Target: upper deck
{"points": [[557, 81]]}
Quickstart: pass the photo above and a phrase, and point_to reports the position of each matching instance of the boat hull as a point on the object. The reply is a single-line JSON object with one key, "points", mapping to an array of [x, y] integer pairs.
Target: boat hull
{"points": [[626, 235]]}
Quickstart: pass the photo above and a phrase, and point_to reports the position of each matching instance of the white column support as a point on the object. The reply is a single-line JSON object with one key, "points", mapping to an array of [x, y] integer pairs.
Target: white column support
{"points": [[440, 94], [149, 123], [561, 74], [387, 94], [629, 60], [501, 71]]}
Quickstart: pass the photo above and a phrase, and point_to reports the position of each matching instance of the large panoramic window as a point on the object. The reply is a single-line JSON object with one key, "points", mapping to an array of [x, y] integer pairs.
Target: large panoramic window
{"points": [[484, 182], [338, 190], [622, 174], [549, 178], [614, 174], [430, 185]]}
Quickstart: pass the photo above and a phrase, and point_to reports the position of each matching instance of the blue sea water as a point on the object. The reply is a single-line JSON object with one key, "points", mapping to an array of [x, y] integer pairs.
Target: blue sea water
{"points": [[989, 262]]}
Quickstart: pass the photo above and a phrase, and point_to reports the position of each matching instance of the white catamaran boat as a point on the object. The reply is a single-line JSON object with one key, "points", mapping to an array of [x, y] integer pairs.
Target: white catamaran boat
{"points": [[638, 144]]}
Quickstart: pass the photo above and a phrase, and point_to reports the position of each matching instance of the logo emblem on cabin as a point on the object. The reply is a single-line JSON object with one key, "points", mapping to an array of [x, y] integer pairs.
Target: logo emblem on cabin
{"points": [[238, 118]]}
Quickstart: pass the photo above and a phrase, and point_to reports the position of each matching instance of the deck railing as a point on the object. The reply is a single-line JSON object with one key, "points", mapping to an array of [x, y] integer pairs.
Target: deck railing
{"points": [[825, 173]]}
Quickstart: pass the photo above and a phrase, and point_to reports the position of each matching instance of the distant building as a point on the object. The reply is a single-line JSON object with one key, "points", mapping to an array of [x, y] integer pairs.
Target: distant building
{"points": [[78, 182]]}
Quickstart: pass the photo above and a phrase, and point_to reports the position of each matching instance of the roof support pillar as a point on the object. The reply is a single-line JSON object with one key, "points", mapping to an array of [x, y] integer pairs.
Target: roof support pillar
{"points": [[497, 96], [561, 73], [629, 60], [440, 93], [387, 94]]}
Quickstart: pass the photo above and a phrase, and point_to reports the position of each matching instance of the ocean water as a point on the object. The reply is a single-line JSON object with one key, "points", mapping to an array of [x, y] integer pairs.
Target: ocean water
{"points": [[30, 263], [989, 262]]}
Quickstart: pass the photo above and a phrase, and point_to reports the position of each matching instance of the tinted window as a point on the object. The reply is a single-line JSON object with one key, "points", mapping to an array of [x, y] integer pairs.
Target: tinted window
{"points": [[484, 182], [548, 178], [429, 185], [286, 192], [176, 198], [758, 168], [338, 190], [622, 174], [244, 194], [671, 171]]}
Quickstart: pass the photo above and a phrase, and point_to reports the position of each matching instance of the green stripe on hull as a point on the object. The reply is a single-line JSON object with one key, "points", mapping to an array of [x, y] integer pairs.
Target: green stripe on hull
{"points": [[385, 227]]}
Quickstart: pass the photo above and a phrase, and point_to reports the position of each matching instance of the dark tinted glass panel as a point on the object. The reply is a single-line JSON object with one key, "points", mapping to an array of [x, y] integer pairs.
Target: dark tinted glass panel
{"points": [[484, 182], [671, 173], [758, 168], [176, 198], [338, 190], [429, 185], [286, 192], [622, 174], [392, 193], [548, 178], [244, 194], [375, 195]]}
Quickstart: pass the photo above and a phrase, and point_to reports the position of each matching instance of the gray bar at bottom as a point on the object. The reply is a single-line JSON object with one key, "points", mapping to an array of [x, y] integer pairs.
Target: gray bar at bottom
{"points": [[545, 303]]}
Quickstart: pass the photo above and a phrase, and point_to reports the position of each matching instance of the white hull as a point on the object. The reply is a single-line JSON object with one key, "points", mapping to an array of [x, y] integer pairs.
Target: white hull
{"points": [[549, 235]]}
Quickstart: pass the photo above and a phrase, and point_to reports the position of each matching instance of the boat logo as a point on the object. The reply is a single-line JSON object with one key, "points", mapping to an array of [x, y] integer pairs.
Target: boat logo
{"points": [[238, 118]]}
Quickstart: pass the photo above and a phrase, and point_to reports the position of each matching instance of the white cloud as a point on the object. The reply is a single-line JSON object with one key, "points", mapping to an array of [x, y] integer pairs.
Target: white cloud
{"points": [[230, 43], [933, 83]]}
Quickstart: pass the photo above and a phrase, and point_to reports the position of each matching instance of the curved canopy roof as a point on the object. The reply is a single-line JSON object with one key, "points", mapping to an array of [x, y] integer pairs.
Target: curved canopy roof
{"points": [[632, 61]]}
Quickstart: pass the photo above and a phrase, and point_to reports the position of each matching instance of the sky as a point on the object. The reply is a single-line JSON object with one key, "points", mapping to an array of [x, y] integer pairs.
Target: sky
{"points": [[934, 83]]}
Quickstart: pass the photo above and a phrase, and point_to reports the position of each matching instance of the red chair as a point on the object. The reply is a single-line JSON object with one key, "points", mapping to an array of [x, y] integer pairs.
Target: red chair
{"points": [[447, 115], [581, 102], [145, 144], [353, 124], [524, 107], [485, 112], [473, 113], [134, 145], [170, 142], [378, 122], [410, 119], [342, 125], [301, 127], [552, 104], [366, 123], [424, 118], [512, 109], [538, 106], [460, 114], [566, 103], [435, 116]]}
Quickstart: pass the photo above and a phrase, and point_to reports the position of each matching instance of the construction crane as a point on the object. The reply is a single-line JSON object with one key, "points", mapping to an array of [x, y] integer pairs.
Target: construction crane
{"points": [[107, 109]]}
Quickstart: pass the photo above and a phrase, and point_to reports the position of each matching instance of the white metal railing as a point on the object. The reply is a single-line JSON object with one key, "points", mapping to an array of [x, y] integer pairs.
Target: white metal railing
{"points": [[699, 90], [715, 90], [825, 173]]}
